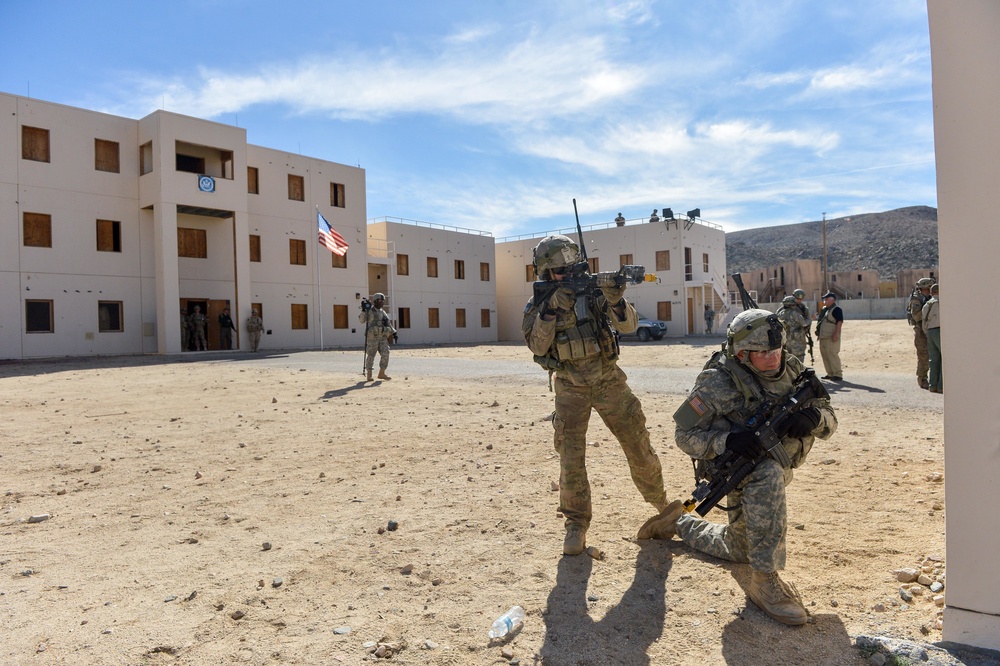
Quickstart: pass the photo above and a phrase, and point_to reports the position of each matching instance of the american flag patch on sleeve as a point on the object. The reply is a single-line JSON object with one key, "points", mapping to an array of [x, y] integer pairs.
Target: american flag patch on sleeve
{"points": [[697, 405]]}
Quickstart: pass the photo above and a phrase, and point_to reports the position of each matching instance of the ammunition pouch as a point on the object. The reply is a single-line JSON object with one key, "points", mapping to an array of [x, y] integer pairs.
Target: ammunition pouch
{"points": [[577, 343]]}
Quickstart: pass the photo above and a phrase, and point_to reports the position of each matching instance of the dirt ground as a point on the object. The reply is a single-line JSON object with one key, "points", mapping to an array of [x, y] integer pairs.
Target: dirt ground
{"points": [[216, 509]]}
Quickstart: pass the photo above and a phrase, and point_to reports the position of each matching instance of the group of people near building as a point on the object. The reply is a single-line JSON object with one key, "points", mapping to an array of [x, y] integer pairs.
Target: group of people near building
{"points": [[194, 329], [924, 315]]}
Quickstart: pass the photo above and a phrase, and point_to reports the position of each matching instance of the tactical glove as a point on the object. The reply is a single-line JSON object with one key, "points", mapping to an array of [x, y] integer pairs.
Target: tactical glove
{"points": [[613, 294], [802, 423], [744, 443], [562, 299]]}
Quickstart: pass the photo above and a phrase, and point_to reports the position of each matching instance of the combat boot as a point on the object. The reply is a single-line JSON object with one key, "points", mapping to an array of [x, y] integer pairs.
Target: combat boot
{"points": [[382, 375], [923, 383], [779, 600], [664, 524], [369, 376], [575, 541]]}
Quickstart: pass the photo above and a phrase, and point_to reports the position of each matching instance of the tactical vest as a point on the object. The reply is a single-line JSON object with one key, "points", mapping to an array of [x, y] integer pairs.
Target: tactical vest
{"points": [[577, 340]]}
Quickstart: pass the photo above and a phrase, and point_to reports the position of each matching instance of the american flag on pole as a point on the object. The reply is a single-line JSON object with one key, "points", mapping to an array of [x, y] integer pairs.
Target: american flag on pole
{"points": [[328, 236]]}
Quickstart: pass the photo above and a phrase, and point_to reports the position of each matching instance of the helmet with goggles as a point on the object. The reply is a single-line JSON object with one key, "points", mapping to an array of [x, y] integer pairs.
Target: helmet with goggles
{"points": [[754, 330]]}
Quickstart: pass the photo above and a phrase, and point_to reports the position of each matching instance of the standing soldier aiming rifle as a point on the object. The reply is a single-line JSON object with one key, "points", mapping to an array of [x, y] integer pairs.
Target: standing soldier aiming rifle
{"points": [[378, 330]]}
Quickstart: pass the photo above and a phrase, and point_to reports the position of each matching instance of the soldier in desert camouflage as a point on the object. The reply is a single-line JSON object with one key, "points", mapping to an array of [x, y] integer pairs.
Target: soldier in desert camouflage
{"points": [[753, 369], [583, 356], [796, 327]]}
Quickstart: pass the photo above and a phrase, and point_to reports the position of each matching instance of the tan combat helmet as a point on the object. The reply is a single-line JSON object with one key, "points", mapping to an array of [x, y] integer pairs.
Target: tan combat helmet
{"points": [[799, 293], [556, 251], [378, 296], [925, 283], [754, 330], [788, 300]]}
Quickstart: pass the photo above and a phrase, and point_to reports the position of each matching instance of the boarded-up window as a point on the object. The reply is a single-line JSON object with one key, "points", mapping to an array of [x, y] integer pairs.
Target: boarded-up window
{"points": [[595, 264], [663, 311], [689, 269], [259, 307], [337, 195], [404, 318], [296, 188], [34, 143], [432, 267], [253, 184], [300, 316], [624, 260], [38, 317], [484, 318], [340, 316], [254, 247], [339, 260], [663, 260], [296, 252], [37, 230], [459, 269], [402, 264], [192, 243], [704, 262], [109, 236], [460, 318], [529, 273], [433, 318], [484, 271], [106, 156], [109, 316]]}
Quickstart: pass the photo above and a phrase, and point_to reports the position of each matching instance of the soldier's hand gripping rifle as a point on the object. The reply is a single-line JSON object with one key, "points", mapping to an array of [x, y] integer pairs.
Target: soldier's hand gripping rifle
{"points": [[768, 426]]}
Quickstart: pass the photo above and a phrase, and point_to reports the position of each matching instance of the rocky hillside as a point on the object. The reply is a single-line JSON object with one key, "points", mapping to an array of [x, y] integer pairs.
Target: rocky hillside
{"points": [[884, 242]]}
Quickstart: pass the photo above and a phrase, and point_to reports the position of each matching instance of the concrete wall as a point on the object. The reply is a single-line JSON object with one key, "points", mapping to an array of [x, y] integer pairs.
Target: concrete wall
{"points": [[965, 47]]}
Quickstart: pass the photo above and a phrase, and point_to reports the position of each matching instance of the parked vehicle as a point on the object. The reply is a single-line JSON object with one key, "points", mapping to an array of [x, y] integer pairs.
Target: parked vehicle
{"points": [[649, 329]]}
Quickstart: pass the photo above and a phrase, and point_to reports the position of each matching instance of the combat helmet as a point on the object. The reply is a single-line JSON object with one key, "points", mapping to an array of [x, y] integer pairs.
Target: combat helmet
{"points": [[555, 251], [754, 330], [378, 296], [799, 293], [788, 300], [925, 283]]}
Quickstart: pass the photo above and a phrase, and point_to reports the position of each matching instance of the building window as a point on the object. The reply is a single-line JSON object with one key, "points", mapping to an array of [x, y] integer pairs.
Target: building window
{"points": [[595, 265], [192, 243], [663, 311], [109, 316], [37, 230], [459, 317], [404, 317], [253, 180], [433, 318], [484, 271], [189, 163], [254, 247], [259, 307], [859, 277], [340, 316], [296, 252], [38, 317], [689, 269], [663, 260], [339, 260], [300, 316], [402, 264], [296, 187], [34, 143], [432, 267], [484, 318], [529, 273], [624, 260], [109, 236], [337, 195], [106, 156], [459, 269], [145, 158], [704, 265]]}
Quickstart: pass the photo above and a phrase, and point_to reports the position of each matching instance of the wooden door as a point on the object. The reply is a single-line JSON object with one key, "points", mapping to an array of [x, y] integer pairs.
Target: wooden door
{"points": [[690, 316]]}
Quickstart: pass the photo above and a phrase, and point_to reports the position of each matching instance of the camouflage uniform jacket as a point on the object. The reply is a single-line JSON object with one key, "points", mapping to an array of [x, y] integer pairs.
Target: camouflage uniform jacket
{"points": [[720, 404], [796, 326], [376, 322], [541, 335], [915, 308]]}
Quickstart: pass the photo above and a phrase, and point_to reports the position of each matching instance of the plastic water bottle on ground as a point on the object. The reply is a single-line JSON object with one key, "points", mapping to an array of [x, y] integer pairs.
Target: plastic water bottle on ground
{"points": [[506, 622]]}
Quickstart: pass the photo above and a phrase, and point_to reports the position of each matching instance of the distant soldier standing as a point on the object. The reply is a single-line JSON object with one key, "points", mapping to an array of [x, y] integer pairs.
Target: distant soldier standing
{"points": [[914, 316], [378, 331], [583, 355], [199, 323], [226, 329], [255, 325], [709, 320], [184, 329], [931, 323], [796, 327]]}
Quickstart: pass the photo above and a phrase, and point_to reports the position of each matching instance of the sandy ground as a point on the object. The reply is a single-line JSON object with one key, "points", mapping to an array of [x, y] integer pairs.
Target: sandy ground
{"points": [[214, 509]]}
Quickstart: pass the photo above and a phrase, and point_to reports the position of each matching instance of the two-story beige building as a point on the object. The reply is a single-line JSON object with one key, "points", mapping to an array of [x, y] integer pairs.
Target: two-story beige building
{"points": [[772, 283]]}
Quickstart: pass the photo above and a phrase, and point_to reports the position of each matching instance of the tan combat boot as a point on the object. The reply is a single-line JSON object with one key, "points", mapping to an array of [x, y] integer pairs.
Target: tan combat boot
{"points": [[382, 375], [664, 524], [575, 541], [369, 376], [779, 600]]}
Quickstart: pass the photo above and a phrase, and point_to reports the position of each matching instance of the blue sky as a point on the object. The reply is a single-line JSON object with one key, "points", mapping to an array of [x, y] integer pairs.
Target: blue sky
{"points": [[495, 114]]}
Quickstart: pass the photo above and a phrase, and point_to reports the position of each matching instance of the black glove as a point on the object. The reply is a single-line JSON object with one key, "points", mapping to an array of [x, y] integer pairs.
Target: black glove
{"points": [[744, 443], [802, 423], [395, 338]]}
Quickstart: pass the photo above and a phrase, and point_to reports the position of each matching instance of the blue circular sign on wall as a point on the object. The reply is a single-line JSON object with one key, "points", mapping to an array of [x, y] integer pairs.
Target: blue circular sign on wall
{"points": [[206, 183]]}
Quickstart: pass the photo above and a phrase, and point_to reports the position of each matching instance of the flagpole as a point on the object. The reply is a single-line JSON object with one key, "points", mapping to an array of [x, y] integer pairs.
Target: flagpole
{"points": [[319, 288]]}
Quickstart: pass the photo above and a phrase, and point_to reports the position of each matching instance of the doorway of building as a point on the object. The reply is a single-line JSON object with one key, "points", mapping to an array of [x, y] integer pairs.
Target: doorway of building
{"points": [[691, 319], [211, 308]]}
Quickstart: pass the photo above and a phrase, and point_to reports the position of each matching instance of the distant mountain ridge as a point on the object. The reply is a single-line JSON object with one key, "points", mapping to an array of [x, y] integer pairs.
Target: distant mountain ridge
{"points": [[886, 242]]}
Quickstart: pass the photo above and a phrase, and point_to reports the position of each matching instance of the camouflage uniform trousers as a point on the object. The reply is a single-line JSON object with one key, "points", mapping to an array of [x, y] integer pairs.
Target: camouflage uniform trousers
{"points": [[254, 340], [198, 340], [923, 361], [756, 530], [380, 344], [622, 413]]}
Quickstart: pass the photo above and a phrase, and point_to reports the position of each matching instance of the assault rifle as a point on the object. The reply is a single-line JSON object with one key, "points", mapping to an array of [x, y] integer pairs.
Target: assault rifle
{"points": [[581, 282], [768, 425]]}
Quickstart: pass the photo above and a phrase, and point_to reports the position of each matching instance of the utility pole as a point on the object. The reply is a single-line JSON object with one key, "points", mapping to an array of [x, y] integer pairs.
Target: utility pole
{"points": [[826, 283]]}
